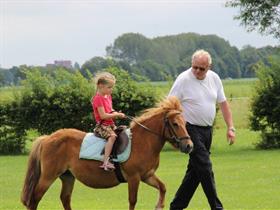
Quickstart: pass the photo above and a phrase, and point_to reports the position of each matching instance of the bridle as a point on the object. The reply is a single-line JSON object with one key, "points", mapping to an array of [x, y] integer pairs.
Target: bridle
{"points": [[167, 126], [174, 138]]}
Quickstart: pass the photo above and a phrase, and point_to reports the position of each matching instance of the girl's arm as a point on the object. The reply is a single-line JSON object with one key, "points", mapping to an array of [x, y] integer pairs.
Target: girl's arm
{"points": [[105, 116]]}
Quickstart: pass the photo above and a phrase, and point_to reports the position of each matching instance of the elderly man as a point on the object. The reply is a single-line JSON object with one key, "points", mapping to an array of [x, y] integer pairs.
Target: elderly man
{"points": [[199, 89]]}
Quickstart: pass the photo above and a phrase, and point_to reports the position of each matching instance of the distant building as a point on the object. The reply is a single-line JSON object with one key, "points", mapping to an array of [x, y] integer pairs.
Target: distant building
{"points": [[61, 63], [50, 65]]}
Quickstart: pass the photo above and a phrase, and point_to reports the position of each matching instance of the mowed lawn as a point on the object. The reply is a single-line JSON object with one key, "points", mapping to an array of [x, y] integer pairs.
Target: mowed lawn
{"points": [[246, 178]]}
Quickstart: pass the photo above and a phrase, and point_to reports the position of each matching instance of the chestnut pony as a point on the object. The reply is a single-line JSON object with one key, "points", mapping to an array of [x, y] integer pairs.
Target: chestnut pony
{"points": [[57, 155]]}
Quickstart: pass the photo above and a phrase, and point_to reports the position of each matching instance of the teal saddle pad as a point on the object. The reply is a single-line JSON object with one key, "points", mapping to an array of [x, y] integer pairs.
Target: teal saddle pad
{"points": [[92, 147]]}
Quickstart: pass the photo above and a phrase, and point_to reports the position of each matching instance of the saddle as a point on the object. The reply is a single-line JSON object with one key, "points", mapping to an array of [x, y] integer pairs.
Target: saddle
{"points": [[120, 143]]}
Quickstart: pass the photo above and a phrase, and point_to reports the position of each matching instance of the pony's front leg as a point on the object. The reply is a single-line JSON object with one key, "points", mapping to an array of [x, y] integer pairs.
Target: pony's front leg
{"points": [[133, 185], [155, 182]]}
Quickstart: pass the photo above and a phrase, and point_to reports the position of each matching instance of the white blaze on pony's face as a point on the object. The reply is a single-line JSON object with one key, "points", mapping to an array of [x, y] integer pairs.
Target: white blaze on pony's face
{"points": [[180, 138]]}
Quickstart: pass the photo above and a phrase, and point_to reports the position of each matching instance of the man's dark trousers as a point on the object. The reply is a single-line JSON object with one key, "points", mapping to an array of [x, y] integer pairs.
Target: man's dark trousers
{"points": [[199, 171]]}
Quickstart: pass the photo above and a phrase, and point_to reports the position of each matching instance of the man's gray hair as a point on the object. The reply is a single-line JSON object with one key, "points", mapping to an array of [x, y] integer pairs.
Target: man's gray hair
{"points": [[202, 53]]}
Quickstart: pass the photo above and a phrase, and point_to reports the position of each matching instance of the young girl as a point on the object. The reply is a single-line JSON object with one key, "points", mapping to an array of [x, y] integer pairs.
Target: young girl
{"points": [[104, 114]]}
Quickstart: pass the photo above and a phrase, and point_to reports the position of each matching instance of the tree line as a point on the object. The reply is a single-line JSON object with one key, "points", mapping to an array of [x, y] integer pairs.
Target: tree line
{"points": [[170, 55], [164, 57]]}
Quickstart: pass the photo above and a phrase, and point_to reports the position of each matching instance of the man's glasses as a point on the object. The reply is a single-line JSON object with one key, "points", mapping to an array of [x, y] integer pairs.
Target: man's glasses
{"points": [[199, 68]]}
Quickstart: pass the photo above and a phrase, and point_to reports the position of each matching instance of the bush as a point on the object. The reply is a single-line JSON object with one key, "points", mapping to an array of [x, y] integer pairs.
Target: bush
{"points": [[12, 140], [128, 96], [266, 105], [48, 103]]}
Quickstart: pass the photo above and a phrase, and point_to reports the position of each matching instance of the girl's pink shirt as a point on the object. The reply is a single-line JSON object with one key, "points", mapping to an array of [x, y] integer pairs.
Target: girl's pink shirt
{"points": [[102, 101]]}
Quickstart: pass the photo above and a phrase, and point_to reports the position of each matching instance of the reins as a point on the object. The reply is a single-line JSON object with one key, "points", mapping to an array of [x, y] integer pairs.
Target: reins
{"points": [[171, 130], [141, 125], [167, 124]]}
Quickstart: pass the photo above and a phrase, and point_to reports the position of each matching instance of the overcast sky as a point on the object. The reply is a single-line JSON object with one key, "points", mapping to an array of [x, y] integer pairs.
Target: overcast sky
{"points": [[36, 32]]}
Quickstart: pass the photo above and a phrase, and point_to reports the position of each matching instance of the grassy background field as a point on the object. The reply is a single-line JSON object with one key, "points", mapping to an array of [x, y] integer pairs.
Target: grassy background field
{"points": [[8, 93], [246, 178]]}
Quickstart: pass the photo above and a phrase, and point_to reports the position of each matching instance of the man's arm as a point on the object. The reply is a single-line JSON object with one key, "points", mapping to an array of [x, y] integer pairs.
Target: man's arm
{"points": [[224, 106]]}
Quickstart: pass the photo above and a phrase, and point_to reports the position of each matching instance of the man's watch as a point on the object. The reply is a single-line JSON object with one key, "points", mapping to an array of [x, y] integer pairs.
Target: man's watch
{"points": [[232, 129]]}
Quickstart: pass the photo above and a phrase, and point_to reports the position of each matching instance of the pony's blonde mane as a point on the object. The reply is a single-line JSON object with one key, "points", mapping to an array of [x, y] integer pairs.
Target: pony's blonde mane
{"points": [[166, 105]]}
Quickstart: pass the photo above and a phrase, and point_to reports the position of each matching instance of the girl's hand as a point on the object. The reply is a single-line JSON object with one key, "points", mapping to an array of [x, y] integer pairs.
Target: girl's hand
{"points": [[121, 115]]}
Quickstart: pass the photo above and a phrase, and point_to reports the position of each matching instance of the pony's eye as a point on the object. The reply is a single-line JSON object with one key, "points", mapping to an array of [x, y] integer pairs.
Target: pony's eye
{"points": [[175, 125]]}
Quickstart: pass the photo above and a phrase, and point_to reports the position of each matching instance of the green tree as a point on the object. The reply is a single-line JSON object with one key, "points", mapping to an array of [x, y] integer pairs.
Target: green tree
{"points": [[2, 78], [250, 56], [152, 70], [170, 55], [263, 16], [97, 64], [130, 47], [77, 66], [128, 96], [266, 105]]}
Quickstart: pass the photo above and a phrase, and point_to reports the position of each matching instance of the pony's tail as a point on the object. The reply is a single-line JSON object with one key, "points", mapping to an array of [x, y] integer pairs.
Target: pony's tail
{"points": [[33, 172]]}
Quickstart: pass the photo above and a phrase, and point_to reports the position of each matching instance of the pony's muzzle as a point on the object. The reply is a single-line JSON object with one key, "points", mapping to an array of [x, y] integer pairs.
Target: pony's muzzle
{"points": [[186, 146]]}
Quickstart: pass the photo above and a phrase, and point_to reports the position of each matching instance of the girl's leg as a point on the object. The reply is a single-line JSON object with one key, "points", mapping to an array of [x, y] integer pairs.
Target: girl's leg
{"points": [[108, 149]]}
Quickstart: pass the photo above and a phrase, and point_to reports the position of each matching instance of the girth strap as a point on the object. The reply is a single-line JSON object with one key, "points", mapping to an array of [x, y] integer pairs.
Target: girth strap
{"points": [[118, 172]]}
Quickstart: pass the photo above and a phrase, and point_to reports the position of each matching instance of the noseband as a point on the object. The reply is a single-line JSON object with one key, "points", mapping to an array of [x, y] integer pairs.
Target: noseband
{"points": [[174, 137], [167, 126]]}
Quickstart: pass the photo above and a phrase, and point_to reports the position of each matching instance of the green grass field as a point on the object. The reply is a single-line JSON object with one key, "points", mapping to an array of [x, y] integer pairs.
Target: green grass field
{"points": [[8, 93], [246, 178]]}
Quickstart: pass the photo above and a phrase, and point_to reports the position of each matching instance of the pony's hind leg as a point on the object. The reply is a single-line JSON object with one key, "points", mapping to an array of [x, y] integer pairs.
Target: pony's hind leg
{"points": [[155, 182], [68, 181], [42, 186]]}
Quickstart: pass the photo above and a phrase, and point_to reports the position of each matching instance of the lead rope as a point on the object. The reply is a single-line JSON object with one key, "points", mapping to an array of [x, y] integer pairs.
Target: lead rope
{"points": [[141, 125]]}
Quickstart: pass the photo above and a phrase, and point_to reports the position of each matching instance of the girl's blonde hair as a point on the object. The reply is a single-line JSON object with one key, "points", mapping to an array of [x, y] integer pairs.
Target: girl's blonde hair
{"points": [[104, 78]]}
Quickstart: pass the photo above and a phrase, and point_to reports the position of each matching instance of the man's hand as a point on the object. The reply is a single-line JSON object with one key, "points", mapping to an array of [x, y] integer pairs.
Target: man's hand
{"points": [[231, 135]]}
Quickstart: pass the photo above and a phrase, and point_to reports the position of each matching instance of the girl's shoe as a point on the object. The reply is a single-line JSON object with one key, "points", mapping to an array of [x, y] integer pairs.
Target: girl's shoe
{"points": [[108, 166]]}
